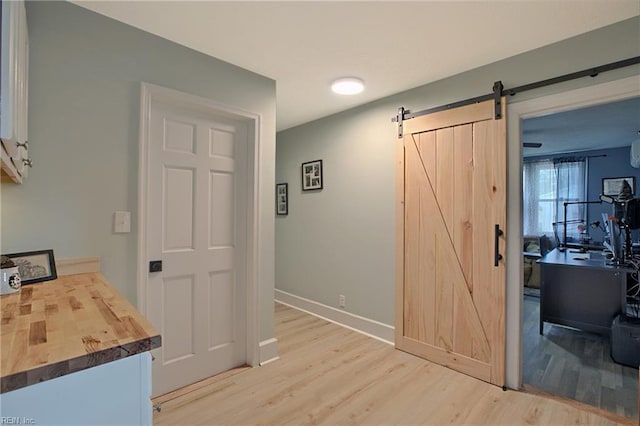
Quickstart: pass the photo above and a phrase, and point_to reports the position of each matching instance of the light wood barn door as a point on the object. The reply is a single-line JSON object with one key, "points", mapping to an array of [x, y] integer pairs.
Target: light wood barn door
{"points": [[450, 295]]}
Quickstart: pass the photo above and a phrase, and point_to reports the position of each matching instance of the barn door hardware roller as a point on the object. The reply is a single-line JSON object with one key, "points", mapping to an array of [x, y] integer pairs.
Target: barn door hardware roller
{"points": [[497, 99], [496, 95], [499, 91], [400, 119]]}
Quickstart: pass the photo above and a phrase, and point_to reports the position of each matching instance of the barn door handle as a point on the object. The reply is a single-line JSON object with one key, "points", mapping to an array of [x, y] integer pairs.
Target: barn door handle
{"points": [[497, 256]]}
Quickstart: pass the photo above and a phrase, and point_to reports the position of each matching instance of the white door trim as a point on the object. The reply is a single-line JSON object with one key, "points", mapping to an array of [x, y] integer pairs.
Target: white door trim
{"points": [[148, 94], [516, 112]]}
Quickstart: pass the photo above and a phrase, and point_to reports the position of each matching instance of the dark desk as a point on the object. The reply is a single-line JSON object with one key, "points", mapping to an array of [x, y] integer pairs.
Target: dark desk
{"points": [[584, 294]]}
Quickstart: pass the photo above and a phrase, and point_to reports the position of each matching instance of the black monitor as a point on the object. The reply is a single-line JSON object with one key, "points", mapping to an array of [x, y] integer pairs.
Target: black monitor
{"points": [[631, 213]]}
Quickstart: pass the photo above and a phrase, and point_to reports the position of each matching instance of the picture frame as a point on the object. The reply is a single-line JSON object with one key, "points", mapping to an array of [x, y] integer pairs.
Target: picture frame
{"points": [[35, 266], [282, 199], [611, 186], [312, 175]]}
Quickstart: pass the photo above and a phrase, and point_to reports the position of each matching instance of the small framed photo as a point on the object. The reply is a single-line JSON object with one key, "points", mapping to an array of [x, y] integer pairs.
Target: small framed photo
{"points": [[282, 199], [612, 186], [312, 175], [35, 266]]}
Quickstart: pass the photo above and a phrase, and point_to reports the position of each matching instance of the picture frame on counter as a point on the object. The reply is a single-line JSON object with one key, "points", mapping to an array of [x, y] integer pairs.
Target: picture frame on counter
{"points": [[282, 199], [612, 186], [312, 175], [35, 266]]}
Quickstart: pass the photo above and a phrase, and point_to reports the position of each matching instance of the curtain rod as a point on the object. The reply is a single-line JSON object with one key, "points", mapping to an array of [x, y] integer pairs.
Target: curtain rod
{"points": [[560, 158]]}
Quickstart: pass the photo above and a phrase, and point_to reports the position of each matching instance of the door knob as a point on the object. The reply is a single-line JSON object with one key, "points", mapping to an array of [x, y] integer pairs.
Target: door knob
{"points": [[155, 266]]}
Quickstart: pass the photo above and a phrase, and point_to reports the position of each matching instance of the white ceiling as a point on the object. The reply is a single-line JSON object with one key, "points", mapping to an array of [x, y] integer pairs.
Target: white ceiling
{"points": [[393, 46], [611, 125]]}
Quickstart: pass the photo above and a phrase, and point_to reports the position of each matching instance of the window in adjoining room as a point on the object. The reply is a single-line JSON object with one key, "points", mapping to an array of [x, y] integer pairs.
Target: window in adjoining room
{"points": [[547, 185]]}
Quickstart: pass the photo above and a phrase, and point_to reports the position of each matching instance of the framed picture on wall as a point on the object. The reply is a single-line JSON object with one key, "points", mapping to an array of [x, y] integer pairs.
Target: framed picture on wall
{"points": [[282, 199], [312, 175], [35, 266], [612, 186]]}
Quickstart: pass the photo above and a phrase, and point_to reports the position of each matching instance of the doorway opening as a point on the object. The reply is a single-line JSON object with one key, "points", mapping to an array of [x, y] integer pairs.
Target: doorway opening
{"points": [[567, 351]]}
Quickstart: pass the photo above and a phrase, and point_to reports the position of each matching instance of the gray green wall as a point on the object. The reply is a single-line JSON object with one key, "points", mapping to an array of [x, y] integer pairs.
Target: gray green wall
{"points": [[341, 240], [85, 74]]}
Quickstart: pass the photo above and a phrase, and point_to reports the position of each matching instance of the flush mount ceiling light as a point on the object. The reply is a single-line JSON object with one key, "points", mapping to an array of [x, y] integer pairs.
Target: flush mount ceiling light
{"points": [[347, 86]]}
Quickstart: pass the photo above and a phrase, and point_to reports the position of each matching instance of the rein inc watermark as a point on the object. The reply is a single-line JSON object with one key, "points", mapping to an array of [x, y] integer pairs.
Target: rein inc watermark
{"points": [[15, 420]]}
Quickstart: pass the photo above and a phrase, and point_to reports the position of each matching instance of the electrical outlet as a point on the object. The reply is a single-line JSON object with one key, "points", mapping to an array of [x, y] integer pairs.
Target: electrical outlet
{"points": [[342, 301]]}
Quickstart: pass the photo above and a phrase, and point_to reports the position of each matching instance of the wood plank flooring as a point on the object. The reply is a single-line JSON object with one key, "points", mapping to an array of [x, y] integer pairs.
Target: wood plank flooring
{"points": [[330, 375], [576, 365]]}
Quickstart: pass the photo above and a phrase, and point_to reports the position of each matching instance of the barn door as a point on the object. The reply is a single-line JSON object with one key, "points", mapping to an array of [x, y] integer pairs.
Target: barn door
{"points": [[451, 213]]}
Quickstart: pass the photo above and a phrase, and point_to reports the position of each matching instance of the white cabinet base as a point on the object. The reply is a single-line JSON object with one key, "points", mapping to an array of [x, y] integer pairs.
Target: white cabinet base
{"points": [[115, 393]]}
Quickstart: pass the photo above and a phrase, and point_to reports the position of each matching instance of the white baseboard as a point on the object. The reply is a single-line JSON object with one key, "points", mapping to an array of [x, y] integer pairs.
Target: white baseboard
{"points": [[371, 328], [268, 351]]}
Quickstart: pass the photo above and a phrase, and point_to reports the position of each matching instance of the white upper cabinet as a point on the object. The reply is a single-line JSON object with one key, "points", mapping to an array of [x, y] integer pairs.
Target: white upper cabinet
{"points": [[14, 72]]}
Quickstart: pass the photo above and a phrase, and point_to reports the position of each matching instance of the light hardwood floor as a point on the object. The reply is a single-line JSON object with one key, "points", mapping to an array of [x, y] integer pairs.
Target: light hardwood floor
{"points": [[330, 375]]}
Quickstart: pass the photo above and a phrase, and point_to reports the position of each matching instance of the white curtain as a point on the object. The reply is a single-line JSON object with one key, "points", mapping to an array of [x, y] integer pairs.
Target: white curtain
{"points": [[547, 185], [539, 197], [571, 187]]}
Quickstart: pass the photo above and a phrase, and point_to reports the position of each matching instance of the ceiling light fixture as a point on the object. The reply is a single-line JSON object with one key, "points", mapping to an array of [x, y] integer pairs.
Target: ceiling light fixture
{"points": [[347, 86]]}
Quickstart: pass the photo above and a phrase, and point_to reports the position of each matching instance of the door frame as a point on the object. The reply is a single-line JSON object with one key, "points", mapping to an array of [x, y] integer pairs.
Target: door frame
{"points": [[565, 101], [150, 93]]}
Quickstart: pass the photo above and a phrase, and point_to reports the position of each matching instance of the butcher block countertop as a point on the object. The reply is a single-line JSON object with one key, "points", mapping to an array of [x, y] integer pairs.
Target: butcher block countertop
{"points": [[67, 325]]}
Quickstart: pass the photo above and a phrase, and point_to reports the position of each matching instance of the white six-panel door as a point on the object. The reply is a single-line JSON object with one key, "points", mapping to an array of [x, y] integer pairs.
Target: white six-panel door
{"points": [[196, 222]]}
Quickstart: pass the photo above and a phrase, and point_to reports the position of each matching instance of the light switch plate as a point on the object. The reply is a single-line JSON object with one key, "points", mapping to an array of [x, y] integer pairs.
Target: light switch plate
{"points": [[122, 222]]}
